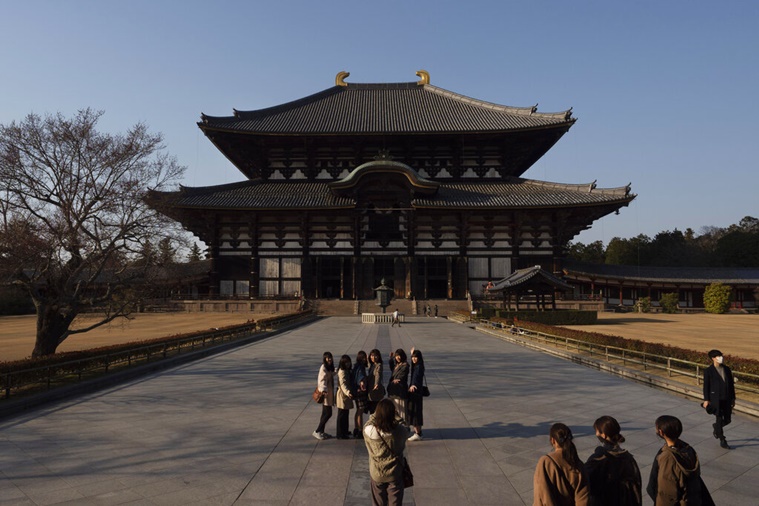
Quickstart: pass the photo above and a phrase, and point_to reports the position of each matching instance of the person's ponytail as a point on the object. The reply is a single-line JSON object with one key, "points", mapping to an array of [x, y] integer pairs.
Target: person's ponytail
{"points": [[563, 437]]}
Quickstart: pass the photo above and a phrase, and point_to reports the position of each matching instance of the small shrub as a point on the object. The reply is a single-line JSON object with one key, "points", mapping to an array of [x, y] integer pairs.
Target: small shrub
{"points": [[669, 302], [644, 305], [717, 298]]}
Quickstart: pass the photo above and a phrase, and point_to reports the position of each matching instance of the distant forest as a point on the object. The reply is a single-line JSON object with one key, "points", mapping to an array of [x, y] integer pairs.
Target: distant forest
{"points": [[734, 246]]}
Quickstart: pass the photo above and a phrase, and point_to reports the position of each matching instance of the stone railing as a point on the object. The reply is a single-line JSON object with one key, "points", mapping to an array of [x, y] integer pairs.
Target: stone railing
{"points": [[381, 318]]}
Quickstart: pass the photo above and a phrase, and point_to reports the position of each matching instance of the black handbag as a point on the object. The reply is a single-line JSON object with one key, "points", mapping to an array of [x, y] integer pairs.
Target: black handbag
{"points": [[425, 390]]}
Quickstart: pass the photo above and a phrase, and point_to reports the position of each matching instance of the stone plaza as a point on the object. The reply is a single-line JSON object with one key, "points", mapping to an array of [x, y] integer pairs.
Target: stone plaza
{"points": [[235, 428]]}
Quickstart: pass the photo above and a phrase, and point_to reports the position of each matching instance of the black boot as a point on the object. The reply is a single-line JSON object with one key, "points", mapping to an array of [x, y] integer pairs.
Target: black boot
{"points": [[714, 433], [723, 444]]}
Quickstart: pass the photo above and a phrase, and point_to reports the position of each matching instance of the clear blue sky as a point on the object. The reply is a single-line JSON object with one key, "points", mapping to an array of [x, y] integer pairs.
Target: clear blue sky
{"points": [[665, 91]]}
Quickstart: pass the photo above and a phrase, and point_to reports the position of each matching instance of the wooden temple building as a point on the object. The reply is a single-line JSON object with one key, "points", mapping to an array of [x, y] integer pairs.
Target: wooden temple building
{"points": [[403, 181]]}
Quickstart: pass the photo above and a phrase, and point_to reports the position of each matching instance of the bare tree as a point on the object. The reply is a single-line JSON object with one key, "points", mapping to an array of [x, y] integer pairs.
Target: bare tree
{"points": [[73, 211]]}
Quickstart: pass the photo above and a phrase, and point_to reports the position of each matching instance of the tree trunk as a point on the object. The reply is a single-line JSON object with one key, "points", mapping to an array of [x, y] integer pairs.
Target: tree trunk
{"points": [[51, 326]]}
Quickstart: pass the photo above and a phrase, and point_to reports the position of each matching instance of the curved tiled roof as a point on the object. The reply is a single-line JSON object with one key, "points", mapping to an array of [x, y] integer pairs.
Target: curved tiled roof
{"points": [[522, 276], [385, 108], [515, 193], [643, 273], [521, 193]]}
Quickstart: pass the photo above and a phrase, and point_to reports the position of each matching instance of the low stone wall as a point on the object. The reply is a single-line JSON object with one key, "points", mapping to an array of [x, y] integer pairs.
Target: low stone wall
{"points": [[239, 306], [381, 318]]}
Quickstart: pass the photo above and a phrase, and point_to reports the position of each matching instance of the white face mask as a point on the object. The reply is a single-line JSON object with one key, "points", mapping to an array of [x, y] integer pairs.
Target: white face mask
{"points": [[720, 359]]}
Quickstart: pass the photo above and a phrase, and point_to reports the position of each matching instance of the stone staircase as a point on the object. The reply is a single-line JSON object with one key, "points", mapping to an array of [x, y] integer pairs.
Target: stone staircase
{"points": [[338, 307]]}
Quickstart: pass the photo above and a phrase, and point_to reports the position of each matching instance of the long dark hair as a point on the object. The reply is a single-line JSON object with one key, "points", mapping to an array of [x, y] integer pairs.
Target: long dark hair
{"points": [[329, 366], [345, 363], [418, 355], [563, 436], [384, 416], [609, 427], [361, 358], [377, 356], [400, 353]]}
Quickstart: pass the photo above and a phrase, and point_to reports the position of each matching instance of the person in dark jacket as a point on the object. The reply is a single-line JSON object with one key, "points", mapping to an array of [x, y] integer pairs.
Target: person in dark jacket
{"points": [[676, 473], [414, 403], [719, 395], [613, 473]]}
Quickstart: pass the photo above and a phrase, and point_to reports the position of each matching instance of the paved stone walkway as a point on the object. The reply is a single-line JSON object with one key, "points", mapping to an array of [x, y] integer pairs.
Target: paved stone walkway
{"points": [[236, 428]]}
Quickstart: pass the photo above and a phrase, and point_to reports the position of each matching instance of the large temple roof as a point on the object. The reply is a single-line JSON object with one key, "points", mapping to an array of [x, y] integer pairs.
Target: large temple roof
{"points": [[387, 108], [514, 193]]}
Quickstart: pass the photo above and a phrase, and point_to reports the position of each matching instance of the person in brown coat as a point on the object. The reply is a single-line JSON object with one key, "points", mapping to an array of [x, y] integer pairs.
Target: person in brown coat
{"points": [[676, 472], [560, 478]]}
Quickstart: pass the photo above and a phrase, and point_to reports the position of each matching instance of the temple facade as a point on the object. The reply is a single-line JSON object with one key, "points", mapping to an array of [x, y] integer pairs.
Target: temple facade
{"points": [[403, 181]]}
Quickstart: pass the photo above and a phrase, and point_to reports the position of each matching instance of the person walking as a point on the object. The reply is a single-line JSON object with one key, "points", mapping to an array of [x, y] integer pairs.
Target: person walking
{"points": [[560, 478], [428, 311], [613, 474], [376, 379], [719, 395], [435, 310], [385, 438], [676, 473], [396, 318], [325, 382], [415, 401], [344, 397], [397, 388], [360, 382]]}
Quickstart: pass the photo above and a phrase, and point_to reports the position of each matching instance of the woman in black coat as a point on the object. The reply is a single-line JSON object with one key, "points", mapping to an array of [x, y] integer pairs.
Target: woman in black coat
{"points": [[414, 403]]}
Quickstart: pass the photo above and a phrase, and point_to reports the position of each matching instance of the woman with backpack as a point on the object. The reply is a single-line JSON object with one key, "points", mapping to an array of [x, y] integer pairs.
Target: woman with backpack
{"points": [[613, 473]]}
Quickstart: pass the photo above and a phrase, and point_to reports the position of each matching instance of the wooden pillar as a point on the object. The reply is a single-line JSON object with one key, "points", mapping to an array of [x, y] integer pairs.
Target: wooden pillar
{"points": [[449, 271], [342, 277], [409, 262]]}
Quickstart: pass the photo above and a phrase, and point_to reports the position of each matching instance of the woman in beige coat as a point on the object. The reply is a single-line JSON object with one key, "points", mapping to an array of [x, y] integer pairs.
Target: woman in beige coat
{"points": [[344, 397], [560, 478], [325, 382]]}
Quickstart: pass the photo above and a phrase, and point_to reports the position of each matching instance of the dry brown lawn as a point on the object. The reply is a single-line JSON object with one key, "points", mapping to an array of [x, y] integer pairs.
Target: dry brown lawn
{"points": [[17, 332], [733, 334]]}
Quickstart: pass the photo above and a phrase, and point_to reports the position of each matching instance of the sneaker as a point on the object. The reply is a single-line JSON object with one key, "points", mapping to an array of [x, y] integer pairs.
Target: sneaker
{"points": [[319, 435], [415, 437], [326, 436]]}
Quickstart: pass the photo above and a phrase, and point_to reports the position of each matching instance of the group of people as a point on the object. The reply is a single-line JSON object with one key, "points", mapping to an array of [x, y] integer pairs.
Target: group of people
{"points": [[611, 476], [361, 386], [397, 412]]}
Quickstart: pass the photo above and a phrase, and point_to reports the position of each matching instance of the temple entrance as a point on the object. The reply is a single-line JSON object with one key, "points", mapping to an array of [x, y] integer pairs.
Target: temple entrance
{"points": [[329, 269], [384, 267]]}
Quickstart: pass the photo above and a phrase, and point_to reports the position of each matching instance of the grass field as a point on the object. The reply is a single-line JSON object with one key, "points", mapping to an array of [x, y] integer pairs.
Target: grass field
{"points": [[17, 332], [733, 334]]}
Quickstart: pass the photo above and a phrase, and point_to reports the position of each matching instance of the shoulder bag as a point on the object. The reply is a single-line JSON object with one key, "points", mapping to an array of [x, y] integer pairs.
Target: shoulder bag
{"points": [[318, 395], [408, 476]]}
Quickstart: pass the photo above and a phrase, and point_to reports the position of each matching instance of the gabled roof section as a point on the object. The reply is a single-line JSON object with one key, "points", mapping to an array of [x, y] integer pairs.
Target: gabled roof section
{"points": [[529, 276], [386, 108], [419, 185]]}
